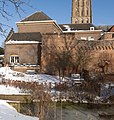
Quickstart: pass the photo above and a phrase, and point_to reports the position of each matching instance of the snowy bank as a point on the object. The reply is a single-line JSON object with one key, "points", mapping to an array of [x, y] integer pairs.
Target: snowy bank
{"points": [[9, 74], [7, 112]]}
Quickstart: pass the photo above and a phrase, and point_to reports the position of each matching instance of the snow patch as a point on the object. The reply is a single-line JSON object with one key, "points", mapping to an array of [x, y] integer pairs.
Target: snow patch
{"points": [[7, 112]]}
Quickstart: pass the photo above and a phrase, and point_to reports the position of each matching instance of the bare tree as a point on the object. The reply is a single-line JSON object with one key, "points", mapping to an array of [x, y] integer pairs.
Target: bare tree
{"points": [[104, 62], [7, 9], [82, 56], [69, 56], [60, 55]]}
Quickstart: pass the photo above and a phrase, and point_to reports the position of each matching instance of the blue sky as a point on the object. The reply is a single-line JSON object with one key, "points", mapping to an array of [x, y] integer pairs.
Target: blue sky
{"points": [[60, 10]]}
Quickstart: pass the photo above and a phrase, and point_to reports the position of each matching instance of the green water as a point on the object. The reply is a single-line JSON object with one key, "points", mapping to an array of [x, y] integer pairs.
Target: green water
{"points": [[71, 111]]}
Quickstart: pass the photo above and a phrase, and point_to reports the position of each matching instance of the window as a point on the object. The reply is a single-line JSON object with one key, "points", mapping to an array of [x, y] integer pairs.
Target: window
{"points": [[14, 59], [87, 21], [90, 38], [11, 59], [83, 38], [87, 12], [91, 28]]}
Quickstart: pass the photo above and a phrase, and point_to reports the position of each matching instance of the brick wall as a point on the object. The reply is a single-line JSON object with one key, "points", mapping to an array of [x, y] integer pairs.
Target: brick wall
{"points": [[88, 34], [59, 41], [38, 27], [108, 36], [28, 53]]}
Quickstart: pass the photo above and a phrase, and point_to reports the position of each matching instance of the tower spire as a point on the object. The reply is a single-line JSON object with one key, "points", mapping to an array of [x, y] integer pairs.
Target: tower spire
{"points": [[81, 11]]}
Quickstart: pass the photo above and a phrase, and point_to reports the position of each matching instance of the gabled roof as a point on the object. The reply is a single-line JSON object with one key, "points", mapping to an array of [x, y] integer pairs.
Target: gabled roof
{"points": [[26, 36], [111, 29], [86, 26], [38, 16], [9, 34]]}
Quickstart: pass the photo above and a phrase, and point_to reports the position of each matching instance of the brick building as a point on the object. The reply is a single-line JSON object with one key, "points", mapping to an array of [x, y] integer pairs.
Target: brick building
{"points": [[24, 47], [28, 45]]}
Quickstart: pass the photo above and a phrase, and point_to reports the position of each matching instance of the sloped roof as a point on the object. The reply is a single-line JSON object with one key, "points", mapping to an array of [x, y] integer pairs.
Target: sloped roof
{"points": [[111, 29], [26, 36], [9, 34], [105, 28], [38, 16], [77, 26]]}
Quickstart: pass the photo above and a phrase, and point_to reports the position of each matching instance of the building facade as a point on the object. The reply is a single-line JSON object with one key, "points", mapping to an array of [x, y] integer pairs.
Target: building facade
{"points": [[24, 47], [38, 33]]}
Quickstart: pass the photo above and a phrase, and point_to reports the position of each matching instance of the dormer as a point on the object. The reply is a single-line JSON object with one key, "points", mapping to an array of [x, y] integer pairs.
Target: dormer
{"points": [[92, 28]]}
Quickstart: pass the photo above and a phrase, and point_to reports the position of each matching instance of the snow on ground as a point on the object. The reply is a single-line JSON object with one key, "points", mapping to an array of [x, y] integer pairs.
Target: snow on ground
{"points": [[8, 74], [13, 75], [9, 90], [7, 112]]}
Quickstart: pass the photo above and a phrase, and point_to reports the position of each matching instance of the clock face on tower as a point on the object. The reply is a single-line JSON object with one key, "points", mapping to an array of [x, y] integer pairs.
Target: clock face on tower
{"points": [[81, 11]]}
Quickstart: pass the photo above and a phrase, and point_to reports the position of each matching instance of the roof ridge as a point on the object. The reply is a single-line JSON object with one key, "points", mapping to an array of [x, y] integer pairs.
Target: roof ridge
{"points": [[37, 16]]}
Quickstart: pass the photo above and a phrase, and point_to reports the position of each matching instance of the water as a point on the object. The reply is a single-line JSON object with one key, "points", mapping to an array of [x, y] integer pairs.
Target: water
{"points": [[73, 112], [76, 112]]}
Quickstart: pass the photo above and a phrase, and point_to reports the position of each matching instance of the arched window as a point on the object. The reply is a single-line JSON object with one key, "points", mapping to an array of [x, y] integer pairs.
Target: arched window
{"points": [[87, 12], [87, 21]]}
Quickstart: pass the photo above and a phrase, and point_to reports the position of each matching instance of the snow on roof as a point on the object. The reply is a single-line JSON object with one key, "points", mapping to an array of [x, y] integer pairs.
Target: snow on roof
{"points": [[67, 27], [21, 42], [7, 112]]}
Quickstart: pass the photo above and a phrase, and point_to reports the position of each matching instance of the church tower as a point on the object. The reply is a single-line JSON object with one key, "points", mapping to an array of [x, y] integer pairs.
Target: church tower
{"points": [[81, 11]]}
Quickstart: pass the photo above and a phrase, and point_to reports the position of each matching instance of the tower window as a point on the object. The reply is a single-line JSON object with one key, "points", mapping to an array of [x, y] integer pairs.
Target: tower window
{"points": [[87, 12]]}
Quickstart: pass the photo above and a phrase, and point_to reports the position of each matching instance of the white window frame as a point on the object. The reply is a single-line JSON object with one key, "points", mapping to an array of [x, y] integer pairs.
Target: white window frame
{"points": [[83, 38], [14, 57], [92, 28], [91, 38]]}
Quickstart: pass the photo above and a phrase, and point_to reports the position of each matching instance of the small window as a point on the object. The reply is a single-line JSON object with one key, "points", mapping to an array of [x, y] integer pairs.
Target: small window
{"points": [[83, 38], [92, 28], [90, 38], [87, 21], [14, 59], [87, 12]]}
